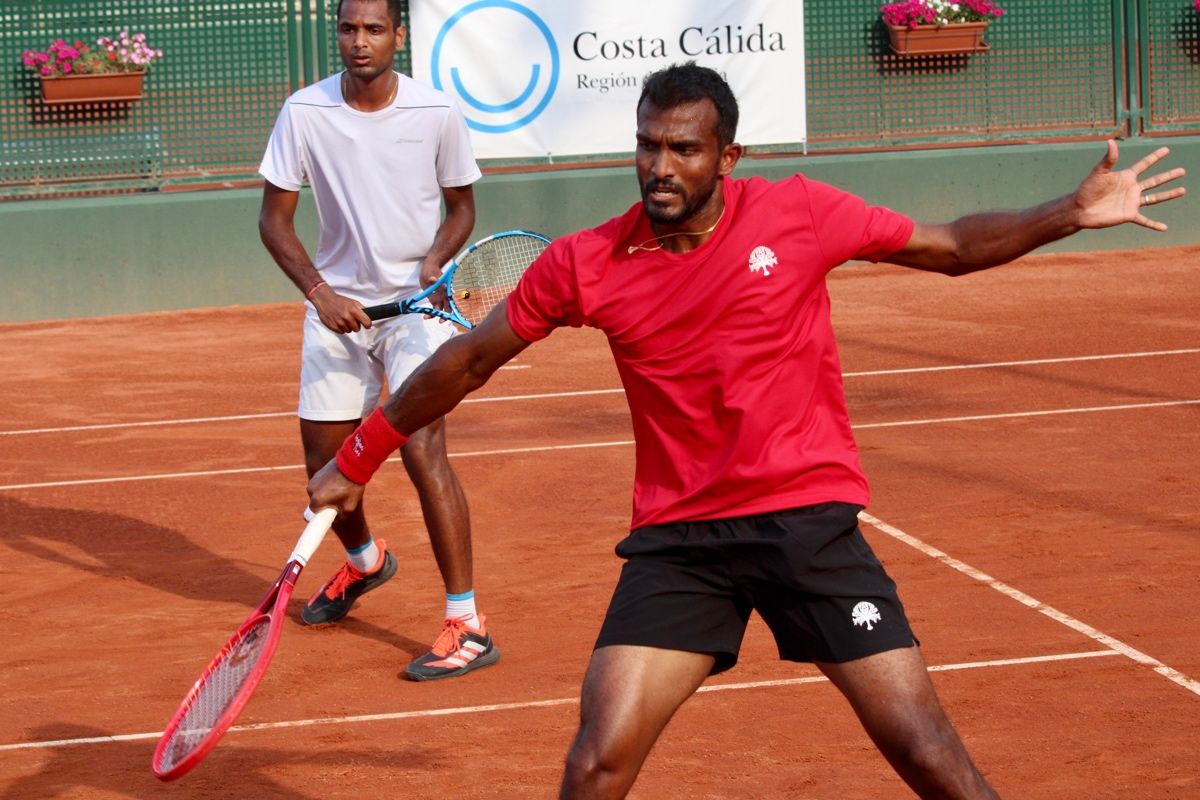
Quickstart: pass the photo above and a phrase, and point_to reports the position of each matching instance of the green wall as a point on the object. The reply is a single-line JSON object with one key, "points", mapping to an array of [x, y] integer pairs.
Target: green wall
{"points": [[160, 252]]}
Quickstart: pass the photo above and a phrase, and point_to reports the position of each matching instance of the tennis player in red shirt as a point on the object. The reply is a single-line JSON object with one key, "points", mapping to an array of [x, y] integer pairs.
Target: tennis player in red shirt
{"points": [[748, 483]]}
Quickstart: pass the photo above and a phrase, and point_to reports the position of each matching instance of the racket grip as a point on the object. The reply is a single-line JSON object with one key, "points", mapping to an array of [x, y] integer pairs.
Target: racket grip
{"points": [[314, 533], [384, 311]]}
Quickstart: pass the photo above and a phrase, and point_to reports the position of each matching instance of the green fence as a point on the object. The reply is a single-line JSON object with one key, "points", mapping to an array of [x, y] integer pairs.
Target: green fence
{"points": [[1049, 71], [207, 108], [1068, 69], [1170, 51]]}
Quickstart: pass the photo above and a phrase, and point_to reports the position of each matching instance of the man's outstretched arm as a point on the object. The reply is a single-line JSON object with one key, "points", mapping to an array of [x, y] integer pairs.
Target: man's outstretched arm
{"points": [[457, 368], [1105, 198]]}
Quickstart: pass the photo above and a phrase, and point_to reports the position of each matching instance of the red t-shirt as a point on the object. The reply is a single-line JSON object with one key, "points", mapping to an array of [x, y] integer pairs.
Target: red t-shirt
{"points": [[727, 352]]}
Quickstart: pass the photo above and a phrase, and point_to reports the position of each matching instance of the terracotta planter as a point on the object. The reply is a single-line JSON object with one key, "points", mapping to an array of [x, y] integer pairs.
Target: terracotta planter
{"points": [[97, 88], [959, 37]]}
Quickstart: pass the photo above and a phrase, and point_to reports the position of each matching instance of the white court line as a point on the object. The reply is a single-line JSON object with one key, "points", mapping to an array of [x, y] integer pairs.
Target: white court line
{"points": [[273, 414], [587, 445], [562, 701], [869, 373], [1029, 362], [1116, 645], [148, 424], [1021, 414], [246, 470]]}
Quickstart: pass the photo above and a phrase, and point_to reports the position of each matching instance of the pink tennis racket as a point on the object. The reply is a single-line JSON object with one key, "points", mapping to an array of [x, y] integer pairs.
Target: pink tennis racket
{"points": [[227, 683]]}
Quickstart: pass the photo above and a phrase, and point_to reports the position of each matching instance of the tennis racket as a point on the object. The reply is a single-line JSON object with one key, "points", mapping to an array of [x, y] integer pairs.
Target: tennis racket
{"points": [[475, 282], [225, 686]]}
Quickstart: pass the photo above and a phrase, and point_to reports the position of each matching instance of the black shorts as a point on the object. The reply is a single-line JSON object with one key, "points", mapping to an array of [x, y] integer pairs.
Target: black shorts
{"points": [[808, 572]]}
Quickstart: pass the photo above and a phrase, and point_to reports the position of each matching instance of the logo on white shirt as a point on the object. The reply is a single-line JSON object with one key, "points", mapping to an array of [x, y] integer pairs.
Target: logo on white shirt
{"points": [[763, 259]]}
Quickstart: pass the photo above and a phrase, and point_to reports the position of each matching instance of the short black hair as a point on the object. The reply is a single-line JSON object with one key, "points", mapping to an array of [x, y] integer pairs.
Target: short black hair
{"points": [[395, 12], [679, 84]]}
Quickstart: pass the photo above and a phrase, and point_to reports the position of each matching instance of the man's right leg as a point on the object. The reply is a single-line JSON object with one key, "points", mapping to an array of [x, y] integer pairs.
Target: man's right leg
{"points": [[896, 703], [321, 441], [628, 697], [336, 597]]}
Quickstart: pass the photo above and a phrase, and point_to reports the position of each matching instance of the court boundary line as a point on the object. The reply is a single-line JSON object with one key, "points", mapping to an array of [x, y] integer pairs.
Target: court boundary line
{"points": [[583, 393], [589, 445], [1111, 642], [527, 704]]}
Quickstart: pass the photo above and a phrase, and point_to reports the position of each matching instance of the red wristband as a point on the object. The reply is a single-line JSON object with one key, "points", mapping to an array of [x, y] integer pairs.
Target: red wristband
{"points": [[308, 295], [368, 447]]}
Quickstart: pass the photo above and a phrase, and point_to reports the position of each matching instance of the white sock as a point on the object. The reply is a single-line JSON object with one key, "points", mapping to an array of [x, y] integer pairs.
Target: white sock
{"points": [[364, 558], [463, 606]]}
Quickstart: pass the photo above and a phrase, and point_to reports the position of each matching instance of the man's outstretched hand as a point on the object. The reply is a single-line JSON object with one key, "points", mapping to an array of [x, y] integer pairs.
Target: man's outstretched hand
{"points": [[1107, 198]]}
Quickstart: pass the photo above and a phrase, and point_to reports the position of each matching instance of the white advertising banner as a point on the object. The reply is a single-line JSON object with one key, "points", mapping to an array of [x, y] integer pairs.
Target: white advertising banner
{"points": [[544, 78]]}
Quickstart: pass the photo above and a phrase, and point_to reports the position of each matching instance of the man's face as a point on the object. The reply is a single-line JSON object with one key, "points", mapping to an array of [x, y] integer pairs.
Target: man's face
{"points": [[679, 160], [367, 39]]}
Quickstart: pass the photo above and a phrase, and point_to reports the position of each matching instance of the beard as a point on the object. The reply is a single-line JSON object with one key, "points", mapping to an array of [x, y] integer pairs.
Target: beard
{"points": [[688, 207]]}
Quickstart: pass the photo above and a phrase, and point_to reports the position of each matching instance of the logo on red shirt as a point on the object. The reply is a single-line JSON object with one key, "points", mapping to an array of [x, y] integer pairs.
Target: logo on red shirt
{"points": [[763, 259]]}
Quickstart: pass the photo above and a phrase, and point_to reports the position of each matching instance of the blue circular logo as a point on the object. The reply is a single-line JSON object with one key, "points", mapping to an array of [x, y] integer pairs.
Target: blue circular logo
{"points": [[506, 97]]}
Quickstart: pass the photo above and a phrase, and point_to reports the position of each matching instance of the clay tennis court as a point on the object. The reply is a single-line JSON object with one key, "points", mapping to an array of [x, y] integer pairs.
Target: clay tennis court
{"points": [[1032, 435]]}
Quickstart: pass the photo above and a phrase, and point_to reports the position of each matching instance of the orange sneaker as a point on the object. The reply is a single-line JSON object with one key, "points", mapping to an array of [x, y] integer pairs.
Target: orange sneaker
{"points": [[458, 650], [333, 600]]}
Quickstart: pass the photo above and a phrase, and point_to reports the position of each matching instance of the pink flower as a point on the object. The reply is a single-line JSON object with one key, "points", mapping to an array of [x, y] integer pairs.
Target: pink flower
{"points": [[120, 54], [914, 13]]}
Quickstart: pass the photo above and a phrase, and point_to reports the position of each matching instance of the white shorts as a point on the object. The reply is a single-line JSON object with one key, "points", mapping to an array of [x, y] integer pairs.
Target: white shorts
{"points": [[343, 375]]}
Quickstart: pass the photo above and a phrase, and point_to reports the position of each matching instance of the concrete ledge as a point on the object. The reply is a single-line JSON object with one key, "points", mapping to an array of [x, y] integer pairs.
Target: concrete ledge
{"points": [[160, 252]]}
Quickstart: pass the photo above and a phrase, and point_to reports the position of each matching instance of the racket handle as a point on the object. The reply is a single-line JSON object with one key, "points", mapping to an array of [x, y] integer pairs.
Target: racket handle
{"points": [[384, 311], [314, 533]]}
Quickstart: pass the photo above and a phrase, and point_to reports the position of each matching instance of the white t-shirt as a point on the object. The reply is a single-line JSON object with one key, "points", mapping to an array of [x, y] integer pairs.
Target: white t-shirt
{"points": [[376, 177]]}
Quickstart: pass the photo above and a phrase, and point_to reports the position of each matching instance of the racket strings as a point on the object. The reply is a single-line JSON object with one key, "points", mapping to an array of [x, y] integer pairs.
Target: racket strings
{"points": [[216, 691], [487, 274]]}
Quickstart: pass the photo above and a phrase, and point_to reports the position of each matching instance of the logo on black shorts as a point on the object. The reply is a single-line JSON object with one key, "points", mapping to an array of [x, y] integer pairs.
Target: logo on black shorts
{"points": [[865, 614]]}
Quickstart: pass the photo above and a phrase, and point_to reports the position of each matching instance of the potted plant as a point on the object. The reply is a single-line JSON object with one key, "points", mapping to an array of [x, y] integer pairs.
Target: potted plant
{"points": [[919, 27], [75, 73]]}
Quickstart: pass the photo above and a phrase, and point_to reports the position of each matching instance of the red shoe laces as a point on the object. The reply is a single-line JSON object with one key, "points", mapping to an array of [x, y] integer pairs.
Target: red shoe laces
{"points": [[451, 636], [340, 582]]}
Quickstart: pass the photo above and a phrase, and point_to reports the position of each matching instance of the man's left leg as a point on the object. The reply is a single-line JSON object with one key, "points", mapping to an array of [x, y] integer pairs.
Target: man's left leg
{"points": [[443, 505], [464, 643], [897, 705]]}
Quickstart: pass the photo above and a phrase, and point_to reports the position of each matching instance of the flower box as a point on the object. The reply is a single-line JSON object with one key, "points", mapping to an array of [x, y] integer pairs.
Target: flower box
{"points": [[94, 88], [956, 37], [111, 70]]}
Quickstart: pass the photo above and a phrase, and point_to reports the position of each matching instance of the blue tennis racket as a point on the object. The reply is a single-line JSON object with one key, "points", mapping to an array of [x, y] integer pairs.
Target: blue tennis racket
{"points": [[473, 283]]}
